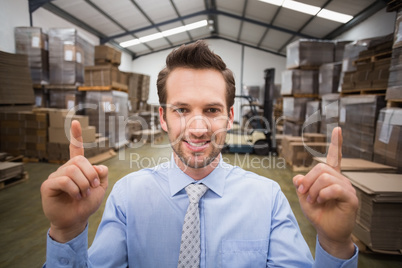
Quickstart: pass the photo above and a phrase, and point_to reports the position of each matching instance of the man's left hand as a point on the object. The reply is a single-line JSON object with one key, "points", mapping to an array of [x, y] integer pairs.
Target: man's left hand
{"points": [[329, 201]]}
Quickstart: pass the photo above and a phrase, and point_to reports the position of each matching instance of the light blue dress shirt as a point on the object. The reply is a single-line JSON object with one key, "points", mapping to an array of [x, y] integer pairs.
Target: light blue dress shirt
{"points": [[246, 221]]}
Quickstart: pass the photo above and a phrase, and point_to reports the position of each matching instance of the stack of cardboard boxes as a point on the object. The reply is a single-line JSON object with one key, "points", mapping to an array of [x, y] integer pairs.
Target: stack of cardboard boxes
{"points": [[312, 71], [31, 41], [15, 80], [358, 118], [379, 214], [106, 73], [24, 133]]}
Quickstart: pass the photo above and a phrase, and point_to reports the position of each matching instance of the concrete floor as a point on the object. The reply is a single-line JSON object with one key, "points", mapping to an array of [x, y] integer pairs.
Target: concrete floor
{"points": [[23, 226]]}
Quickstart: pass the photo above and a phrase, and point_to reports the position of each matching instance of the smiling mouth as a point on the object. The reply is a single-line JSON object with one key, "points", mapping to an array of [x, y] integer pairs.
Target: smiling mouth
{"points": [[197, 144]]}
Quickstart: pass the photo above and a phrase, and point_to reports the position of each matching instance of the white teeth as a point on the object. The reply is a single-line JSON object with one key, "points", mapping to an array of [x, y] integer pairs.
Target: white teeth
{"points": [[197, 144]]}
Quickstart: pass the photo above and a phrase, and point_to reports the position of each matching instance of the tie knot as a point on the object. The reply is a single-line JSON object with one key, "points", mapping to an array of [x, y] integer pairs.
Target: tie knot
{"points": [[195, 192]]}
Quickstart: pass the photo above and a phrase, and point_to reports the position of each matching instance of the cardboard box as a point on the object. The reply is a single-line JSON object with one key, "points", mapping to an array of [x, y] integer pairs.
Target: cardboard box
{"points": [[31, 41], [302, 153], [58, 117], [379, 215], [329, 77], [66, 62], [105, 53], [106, 76], [10, 170], [61, 135], [294, 109], [388, 139], [311, 53], [358, 164], [15, 79], [299, 82]]}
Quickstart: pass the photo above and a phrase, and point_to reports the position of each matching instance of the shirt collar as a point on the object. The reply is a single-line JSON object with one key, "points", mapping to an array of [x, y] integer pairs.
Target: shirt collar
{"points": [[215, 181]]}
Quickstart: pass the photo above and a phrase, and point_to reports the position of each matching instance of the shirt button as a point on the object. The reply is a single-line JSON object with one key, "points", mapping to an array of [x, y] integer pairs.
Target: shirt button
{"points": [[64, 261]]}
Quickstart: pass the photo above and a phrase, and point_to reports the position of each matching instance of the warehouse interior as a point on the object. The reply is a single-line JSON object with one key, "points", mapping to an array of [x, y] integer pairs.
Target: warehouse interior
{"points": [[300, 73]]}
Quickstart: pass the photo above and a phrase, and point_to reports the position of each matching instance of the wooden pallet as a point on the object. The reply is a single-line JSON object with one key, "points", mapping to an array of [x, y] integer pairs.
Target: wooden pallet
{"points": [[303, 169], [102, 157], [374, 58], [366, 91], [394, 103], [102, 88], [363, 248], [96, 159], [13, 181]]}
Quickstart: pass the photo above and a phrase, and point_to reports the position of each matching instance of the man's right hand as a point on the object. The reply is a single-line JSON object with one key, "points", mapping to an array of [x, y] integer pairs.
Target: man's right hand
{"points": [[73, 192]]}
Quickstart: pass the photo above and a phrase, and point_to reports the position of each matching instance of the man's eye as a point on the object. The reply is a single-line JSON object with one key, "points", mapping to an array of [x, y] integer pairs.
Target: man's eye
{"points": [[212, 110], [180, 110]]}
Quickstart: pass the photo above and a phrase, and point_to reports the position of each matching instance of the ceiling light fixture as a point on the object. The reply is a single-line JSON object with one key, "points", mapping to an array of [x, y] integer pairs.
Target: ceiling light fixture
{"points": [[166, 33], [335, 16], [311, 10]]}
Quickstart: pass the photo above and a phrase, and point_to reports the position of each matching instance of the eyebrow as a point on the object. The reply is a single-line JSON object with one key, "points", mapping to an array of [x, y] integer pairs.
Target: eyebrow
{"points": [[212, 104]]}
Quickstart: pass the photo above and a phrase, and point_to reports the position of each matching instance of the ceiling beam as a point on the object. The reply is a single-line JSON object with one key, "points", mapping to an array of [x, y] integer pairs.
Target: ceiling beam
{"points": [[366, 13], [93, 5], [304, 26], [61, 13], [149, 19], [242, 21], [210, 7], [182, 21], [267, 29]]}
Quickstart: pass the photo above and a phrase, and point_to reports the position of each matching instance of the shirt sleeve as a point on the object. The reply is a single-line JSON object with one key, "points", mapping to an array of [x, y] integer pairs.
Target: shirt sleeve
{"points": [[109, 248], [71, 254], [324, 259], [289, 249]]}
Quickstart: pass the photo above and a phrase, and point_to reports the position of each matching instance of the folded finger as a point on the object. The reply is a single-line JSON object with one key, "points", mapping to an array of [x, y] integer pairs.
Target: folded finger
{"points": [[87, 169], [76, 176], [338, 193], [317, 171], [323, 181]]}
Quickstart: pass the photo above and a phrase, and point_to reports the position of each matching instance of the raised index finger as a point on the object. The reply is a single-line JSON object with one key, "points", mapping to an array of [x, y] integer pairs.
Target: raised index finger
{"points": [[334, 155], [76, 144]]}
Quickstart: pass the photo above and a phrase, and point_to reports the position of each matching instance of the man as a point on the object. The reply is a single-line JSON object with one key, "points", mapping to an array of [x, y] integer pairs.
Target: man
{"points": [[242, 219]]}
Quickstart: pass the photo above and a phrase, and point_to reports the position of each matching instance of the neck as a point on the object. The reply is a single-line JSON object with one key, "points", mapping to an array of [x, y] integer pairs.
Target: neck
{"points": [[197, 173]]}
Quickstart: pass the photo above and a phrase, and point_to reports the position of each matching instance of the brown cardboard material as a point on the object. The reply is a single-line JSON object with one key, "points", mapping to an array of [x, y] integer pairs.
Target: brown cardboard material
{"points": [[379, 215], [60, 135], [357, 164], [10, 170]]}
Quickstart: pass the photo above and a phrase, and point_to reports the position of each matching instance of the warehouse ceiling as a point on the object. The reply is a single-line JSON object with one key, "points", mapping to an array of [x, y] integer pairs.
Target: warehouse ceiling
{"points": [[252, 23]]}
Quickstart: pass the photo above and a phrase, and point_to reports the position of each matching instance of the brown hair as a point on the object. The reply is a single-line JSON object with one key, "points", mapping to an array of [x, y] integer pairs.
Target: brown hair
{"points": [[195, 56]]}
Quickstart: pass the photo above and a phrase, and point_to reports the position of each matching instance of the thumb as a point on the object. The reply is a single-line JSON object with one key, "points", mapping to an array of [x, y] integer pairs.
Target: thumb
{"points": [[76, 144], [334, 156], [103, 172]]}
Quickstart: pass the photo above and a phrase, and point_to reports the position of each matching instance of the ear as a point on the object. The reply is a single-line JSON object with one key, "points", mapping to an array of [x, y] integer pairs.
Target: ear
{"points": [[231, 118], [162, 119]]}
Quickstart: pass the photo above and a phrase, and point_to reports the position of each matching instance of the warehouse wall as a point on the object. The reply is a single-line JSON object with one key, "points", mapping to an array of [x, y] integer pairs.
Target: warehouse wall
{"points": [[12, 13], [16, 13], [381, 23]]}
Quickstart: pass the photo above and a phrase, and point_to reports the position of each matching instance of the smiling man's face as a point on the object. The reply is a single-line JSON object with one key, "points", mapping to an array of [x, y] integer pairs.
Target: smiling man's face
{"points": [[196, 115]]}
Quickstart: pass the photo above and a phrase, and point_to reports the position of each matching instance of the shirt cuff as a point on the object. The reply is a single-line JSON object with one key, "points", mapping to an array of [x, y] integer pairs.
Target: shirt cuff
{"points": [[71, 254], [324, 259]]}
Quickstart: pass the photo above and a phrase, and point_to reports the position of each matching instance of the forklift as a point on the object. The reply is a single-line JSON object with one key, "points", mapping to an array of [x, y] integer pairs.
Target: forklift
{"points": [[258, 134]]}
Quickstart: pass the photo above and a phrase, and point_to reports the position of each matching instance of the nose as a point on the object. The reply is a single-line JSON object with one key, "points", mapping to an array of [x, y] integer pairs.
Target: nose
{"points": [[197, 126]]}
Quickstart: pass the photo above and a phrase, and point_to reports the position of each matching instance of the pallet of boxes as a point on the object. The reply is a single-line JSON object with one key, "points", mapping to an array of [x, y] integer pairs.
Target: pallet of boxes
{"points": [[143, 123], [96, 148], [106, 97], [373, 132], [311, 78], [20, 129]]}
